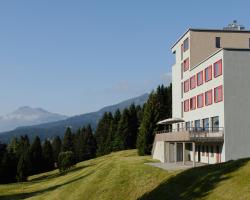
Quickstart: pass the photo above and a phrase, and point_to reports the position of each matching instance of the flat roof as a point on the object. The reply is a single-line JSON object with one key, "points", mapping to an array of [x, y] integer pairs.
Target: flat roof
{"points": [[210, 30]]}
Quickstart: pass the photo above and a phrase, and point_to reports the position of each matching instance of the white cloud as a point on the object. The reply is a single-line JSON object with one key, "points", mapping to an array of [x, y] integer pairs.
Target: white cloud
{"points": [[166, 78]]}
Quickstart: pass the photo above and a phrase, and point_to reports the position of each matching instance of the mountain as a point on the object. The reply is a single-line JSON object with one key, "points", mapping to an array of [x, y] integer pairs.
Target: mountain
{"points": [[27, 116], [49, 130]]}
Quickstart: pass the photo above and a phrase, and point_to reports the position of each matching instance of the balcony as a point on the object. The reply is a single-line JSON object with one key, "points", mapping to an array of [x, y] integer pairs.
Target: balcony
{"points": [[192, 134]]}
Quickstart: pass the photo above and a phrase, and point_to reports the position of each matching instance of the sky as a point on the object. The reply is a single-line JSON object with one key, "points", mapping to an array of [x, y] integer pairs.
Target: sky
{"points": [[74, 57]]}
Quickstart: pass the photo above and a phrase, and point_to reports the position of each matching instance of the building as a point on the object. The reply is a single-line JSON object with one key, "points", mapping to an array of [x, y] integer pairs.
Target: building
{"points": [[211, 98]]}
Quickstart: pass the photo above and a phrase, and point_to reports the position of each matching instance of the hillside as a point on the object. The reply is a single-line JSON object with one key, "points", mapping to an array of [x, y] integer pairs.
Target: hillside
{"points": [[49, 130], [124, 175]]}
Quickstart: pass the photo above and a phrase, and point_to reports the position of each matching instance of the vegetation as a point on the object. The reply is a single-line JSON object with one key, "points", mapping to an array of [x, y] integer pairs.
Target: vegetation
{"points": [[123, 175], [65, 161], [158, 107]]}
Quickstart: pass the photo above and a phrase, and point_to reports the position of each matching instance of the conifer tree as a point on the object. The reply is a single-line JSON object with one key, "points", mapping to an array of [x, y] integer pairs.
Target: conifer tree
{"points": [[90, 143], [57, 148], [36, 156], [23, 166], [68, 143], [47, 156]]}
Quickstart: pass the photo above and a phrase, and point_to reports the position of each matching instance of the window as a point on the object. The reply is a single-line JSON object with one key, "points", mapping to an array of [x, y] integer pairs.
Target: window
{"points": [[186, 64], [208, 73], [205, 124], [193, 103], [249, 42], [186, 86], [218, 94], [182, 70], [217, 42], [208, 97], [200, 101], [215, 124], [192, 82], [200, 78], [217, 68], [186, 44], [188, 126], [197, 125], [186, 105]]}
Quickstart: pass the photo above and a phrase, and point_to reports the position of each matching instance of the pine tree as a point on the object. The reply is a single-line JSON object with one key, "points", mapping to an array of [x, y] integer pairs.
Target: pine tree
{"points": [[57, 148], [90, 143], [104, 144], [23, 166], [117, 142], [8, 167], [68, 140], [79, 145], [36, 156], [47, 155]]}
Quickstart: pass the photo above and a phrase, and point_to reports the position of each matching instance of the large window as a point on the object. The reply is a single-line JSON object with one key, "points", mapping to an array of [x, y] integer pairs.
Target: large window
{"points": [[209, 97], [186, 44], [186, 86], [218, 94], [215, 123], [197, 125], [218, 68], [188, 126], [193, 103], [192, 82], [186, 64], [208, 73], [200, 100], [186, 105], [200, 78], [205, 124]]}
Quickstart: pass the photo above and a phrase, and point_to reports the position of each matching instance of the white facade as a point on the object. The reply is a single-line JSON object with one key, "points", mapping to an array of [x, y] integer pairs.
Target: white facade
{"points": [[223, 114]]}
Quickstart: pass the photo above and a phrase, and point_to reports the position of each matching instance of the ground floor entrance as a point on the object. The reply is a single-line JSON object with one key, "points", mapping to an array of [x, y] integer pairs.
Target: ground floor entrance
{"points": [[195, 152]]}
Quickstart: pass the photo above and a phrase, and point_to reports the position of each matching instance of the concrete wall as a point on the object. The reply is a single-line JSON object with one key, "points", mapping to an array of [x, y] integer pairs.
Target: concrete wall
{"points": [[203, 43], [159, 150], [237, 104]]}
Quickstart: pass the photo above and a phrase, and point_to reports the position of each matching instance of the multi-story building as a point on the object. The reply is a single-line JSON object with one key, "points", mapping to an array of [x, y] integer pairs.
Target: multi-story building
{"points": [[211, 98]]}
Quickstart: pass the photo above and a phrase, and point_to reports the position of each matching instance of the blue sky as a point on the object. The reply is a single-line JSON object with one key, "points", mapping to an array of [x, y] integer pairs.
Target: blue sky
{"points": [[73, 57]]}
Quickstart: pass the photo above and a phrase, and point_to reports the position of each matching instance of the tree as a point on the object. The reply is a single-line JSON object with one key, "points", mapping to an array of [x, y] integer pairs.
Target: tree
{"points": [[36, 156], [104, 143], [47, 155], [57, 147], [89, 143], [117, 142], [65, 161], [23, 167], [68, 144], [79, 145], [8, 168], [158, 107]]}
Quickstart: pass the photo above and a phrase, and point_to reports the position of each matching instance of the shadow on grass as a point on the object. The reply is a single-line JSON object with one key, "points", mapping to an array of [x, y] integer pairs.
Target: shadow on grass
{"points": [[21, 196], [58, 174], [194, 183]]}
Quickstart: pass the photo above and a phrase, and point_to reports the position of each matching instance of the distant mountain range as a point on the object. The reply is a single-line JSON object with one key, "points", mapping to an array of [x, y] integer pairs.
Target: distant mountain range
{"points": [[51, 129], [27, 116]]}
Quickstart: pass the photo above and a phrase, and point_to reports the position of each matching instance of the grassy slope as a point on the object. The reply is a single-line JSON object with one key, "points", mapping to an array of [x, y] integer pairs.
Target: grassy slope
{"points": [[124, 175]]}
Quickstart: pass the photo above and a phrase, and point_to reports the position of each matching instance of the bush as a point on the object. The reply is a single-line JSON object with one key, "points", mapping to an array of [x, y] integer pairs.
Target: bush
{"points": [[65, 161]]}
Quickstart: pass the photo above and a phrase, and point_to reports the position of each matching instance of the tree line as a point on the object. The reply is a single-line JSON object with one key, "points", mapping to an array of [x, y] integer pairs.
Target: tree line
{"points": [[132, 128]]}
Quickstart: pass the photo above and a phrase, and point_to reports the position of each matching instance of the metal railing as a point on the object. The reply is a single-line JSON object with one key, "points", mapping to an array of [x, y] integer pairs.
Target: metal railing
{"points": [[198, 132]]}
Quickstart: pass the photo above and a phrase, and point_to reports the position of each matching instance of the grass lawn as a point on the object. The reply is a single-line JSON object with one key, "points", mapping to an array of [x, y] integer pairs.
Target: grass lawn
{"points": [[123, 175]]}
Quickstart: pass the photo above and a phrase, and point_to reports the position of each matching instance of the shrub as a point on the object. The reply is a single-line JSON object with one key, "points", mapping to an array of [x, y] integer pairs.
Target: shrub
{"points": [[65, 161]]}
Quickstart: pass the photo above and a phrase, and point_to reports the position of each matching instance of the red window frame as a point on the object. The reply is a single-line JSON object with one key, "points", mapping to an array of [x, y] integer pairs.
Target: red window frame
{"points": [[209, 73], [202, 100], [186, 64], [186, 105], [201, 81], [219, 68], [192, 82], [186, 86], [220, 94], [193, 106], [210, 100]]}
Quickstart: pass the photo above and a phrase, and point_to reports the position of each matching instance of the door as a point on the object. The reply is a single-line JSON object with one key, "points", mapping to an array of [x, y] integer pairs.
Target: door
{"points": [[179, 152]]}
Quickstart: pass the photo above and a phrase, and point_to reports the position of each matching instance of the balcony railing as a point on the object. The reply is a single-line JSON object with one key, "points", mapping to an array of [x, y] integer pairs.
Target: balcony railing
{"points": [[198, 133]]}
